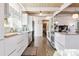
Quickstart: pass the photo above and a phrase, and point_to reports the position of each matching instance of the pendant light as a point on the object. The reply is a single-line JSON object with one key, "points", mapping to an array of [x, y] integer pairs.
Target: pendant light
{"points": [[75, 15], [40, 13]]}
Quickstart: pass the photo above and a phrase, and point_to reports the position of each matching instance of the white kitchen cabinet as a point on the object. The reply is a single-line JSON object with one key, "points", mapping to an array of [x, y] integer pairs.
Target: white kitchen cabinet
{"points": [[30, 18], [15, 45], [2, 53], [24, 20], [58, 46], [1, 21], [11, 44], [2, 29], [67, 40], [72, 41], [60, 38], [23, 43]]}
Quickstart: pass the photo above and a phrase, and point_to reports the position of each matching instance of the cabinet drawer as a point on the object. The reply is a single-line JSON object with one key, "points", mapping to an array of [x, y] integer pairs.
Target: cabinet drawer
{"points": [[14, 54], [10, 44], [20, 50], [2, 48], [58, 46], [60, 38]]}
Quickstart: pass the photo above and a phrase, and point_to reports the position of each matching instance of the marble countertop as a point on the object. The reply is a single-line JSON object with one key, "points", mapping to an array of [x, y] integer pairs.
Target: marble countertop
{"points": [[15, 33], [10, 34], [68, 33]]}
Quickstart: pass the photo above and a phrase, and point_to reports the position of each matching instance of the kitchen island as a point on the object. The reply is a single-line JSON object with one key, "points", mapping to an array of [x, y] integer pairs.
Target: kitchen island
{"points": [[66, 41]]}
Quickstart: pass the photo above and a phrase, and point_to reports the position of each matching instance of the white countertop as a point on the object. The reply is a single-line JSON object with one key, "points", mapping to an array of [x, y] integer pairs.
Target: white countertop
{"points": [[15, 33], [68, 33]]}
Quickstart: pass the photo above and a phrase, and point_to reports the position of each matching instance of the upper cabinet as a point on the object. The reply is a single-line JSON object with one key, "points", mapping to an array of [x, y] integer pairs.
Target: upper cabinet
{"points": [[1, 20], [30, 19], [15, 20], [24, 21]]}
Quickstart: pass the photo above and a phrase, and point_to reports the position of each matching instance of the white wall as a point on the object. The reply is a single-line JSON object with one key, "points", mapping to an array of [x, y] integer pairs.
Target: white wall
{"points": [[38, 26], [66, 19]]}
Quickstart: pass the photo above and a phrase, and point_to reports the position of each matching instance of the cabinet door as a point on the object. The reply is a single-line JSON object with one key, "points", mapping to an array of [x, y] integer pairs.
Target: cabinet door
{"points": [[72, 42], [23, 44], [1, 29], [10, 44], [78, 25], [59, 46], [1, 20], [60, 38], [2, 48]]}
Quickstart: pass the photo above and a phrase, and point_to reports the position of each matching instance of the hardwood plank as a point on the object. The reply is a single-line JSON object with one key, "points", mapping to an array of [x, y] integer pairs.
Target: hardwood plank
{"points": [[40, 47]]}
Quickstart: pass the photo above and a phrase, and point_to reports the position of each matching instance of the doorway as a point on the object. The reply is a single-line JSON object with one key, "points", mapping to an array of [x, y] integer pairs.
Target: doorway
{"points": [[45, 22]]}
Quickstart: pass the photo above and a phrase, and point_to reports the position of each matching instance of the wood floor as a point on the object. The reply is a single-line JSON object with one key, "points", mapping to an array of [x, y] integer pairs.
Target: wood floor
{"points": [[40, 47]]}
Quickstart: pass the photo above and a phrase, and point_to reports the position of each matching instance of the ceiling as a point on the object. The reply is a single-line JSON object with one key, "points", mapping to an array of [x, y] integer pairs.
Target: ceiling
{"points": [[42, 4], [49, 8], [73, 8], [37, 12], [45, 8], [74, 5]]}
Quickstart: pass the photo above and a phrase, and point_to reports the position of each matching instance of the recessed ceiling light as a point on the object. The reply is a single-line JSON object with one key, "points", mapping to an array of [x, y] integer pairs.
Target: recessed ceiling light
{"points": [[75, 16]]}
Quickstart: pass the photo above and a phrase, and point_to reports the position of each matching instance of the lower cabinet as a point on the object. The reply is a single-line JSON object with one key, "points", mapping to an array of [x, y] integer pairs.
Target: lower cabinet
{"points": [[14, 53], [59, 46], [10, 45], [66, 41], [29, 37], [18, 51], [2, 48], [14, 46]]}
